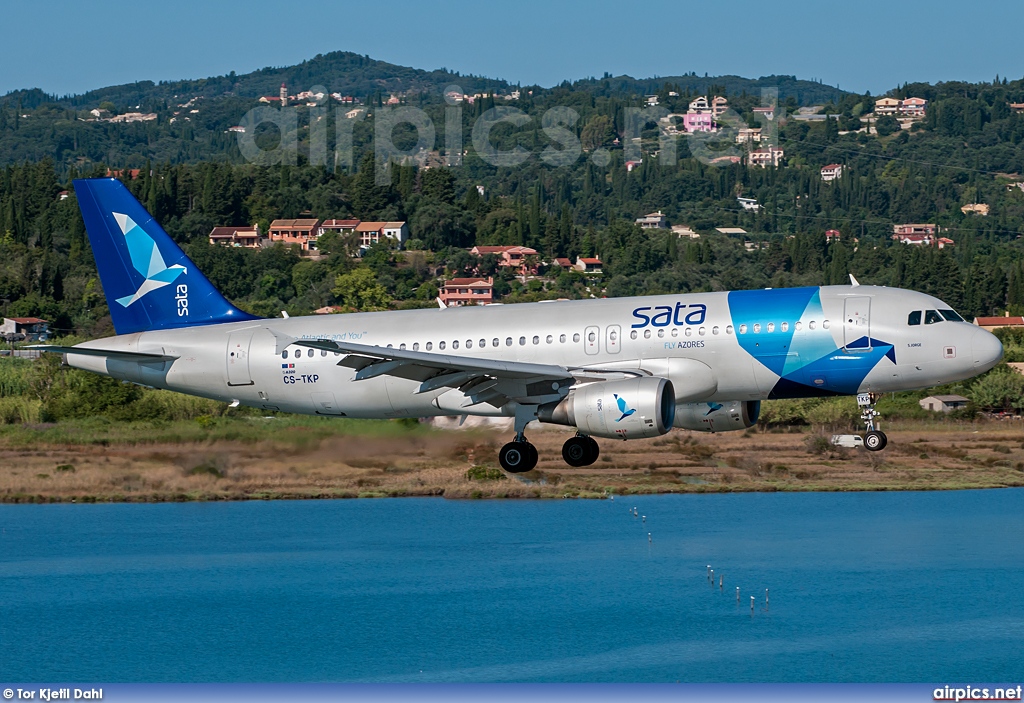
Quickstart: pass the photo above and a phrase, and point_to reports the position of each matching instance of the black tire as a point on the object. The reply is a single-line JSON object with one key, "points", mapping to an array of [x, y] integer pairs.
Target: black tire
{"points": [[577, 450], [595, 451], [533, 456], [875, 441], [517, 457]]}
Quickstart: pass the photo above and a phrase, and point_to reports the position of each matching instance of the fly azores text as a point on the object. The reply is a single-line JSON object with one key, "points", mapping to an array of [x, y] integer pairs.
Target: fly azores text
{"points": [[56, 694], [666, 315]]}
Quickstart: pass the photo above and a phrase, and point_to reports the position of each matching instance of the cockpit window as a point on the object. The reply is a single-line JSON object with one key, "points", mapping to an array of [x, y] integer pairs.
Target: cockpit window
{"points": [[951, 315], [914, 318], [931, 317]]}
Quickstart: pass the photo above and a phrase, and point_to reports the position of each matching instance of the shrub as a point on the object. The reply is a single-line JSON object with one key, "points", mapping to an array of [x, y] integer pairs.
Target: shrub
{"points": [[485, 473]]}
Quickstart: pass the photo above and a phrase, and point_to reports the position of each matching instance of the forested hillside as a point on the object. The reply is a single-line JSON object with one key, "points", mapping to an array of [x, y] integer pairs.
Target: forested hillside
{"points": [[968, 149], [35, 125]]}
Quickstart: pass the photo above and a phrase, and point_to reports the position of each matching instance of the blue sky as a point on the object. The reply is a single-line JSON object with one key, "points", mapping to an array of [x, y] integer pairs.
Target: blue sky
{"points": [[70, 47]]}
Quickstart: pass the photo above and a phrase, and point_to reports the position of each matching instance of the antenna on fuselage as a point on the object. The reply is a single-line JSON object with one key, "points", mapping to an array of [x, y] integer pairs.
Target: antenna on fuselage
{"points": [[853, 281]]}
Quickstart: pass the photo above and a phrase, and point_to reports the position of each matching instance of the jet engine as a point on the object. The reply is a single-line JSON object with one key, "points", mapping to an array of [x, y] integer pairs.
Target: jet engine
{"points": [[718, 417], [628, 409]]}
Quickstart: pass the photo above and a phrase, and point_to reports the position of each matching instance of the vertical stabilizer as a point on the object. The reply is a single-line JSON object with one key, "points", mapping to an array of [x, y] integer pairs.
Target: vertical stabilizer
{"points": [[149, 282]]}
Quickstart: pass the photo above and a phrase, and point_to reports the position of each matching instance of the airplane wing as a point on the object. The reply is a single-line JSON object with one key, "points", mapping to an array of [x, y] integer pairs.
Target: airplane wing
{"points": [[109, 353], [482, 380]]}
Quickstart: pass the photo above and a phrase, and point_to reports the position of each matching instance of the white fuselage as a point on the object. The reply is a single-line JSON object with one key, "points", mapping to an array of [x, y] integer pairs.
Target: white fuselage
{"points": [[768, 349]]}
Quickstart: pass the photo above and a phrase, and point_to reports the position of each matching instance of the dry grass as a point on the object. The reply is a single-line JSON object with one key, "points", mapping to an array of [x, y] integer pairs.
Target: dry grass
{"points": [[436, 464]]}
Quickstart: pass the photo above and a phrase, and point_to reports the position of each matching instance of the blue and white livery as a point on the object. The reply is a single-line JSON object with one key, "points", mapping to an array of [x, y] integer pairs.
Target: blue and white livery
{"points": [[615, 368]]}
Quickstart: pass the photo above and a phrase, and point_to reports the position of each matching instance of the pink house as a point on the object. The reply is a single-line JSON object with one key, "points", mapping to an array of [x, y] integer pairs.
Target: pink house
{"points": [[507, 255], [698, 122], [914, 107], [467, 291]]}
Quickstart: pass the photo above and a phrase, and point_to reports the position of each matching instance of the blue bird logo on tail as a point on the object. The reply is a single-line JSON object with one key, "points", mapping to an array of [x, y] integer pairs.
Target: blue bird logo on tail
{"points": [[623, 408], [146, 259]]}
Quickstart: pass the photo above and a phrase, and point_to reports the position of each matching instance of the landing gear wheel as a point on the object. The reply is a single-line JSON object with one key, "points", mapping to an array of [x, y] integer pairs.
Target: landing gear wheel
{"points": [[875, 441], [595, 450], [518, 457], [576, 451]]}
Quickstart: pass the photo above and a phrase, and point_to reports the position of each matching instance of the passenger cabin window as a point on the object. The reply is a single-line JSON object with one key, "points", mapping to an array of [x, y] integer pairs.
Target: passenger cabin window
{"points": [[455, 344], [415, 346], [576, 338], [931, 317], [951, 315], [914, 318], [284, 354], [310, 353], [440, 345], [632, 335], [561, 339]]}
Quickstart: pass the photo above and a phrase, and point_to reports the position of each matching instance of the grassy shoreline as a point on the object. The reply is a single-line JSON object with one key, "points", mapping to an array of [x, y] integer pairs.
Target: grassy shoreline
{"points": [[252, 458]]}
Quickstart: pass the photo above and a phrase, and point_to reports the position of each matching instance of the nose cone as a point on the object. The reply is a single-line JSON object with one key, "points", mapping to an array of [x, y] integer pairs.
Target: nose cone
{"points": [[987, 350]]}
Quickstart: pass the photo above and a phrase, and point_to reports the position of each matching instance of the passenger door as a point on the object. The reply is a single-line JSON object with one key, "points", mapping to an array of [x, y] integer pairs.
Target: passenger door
{"points": [[857, 324], [238, 358]]}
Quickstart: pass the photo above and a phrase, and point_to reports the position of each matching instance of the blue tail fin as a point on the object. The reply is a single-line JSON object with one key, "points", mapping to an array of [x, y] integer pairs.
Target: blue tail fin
{"points": [[149, 282]]}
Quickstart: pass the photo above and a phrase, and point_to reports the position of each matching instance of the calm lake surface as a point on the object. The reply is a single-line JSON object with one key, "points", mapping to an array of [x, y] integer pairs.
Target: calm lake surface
{"points": [[863, 587]]}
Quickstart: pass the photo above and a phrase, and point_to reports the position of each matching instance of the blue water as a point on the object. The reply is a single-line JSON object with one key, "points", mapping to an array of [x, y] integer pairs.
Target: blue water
{"points": [[863, 587]]}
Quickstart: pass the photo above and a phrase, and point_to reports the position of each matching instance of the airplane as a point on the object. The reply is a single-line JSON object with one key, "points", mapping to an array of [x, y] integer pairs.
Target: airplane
{"points": [[618, 368]]}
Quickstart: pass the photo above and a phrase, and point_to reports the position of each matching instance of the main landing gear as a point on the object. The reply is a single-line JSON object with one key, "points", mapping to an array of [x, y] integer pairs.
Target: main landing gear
{"points": [[580, 450], [519, 456], [874, 439]]}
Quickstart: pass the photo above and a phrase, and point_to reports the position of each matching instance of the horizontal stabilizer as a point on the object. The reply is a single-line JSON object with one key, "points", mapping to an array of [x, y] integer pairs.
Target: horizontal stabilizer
{"points": [[141, 357]]}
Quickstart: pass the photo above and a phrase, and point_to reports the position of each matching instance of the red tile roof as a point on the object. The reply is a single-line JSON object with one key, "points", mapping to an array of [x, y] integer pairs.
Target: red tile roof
{"points": [[995, 321]]}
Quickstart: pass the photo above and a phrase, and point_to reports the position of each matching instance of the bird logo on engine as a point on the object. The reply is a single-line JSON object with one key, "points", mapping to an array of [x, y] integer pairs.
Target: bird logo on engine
{"points": [[623, 408]]}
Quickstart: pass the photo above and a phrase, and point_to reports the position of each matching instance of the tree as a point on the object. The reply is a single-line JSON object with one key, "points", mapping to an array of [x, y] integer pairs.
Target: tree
{"points": [[886, 125], [360, 291], [999, 391], [598, 132]]}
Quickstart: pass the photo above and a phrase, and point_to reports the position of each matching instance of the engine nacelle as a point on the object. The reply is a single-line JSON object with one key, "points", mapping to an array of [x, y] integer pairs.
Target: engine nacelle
{"points": [[629, 409], [718, 417]]}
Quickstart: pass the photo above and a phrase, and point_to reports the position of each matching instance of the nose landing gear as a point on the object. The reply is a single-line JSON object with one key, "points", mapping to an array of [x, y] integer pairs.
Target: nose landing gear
{"points": [[874, 439]]}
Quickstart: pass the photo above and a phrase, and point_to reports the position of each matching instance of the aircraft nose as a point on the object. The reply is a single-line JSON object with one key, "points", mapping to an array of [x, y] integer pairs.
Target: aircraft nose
{"points": [[987, 350]]}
